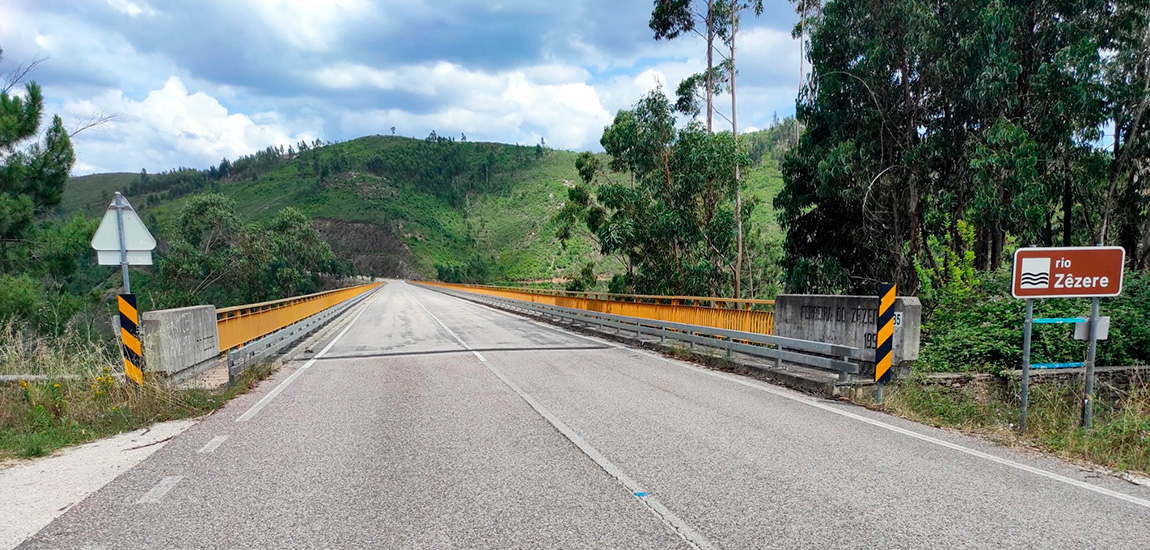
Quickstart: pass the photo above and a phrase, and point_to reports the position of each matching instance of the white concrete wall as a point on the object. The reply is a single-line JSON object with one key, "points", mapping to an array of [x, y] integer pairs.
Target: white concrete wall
{"points": [[178, 339]]}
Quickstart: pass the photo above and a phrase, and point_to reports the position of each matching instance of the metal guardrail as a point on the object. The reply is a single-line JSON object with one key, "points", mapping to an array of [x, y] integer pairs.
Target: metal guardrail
{"points": [[821, 355], [712, 301], [662, 308], [253, 352], [241, 324]]}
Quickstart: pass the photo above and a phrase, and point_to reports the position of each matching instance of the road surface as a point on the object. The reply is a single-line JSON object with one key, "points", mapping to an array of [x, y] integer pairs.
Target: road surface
{"points": [[433, 422]]}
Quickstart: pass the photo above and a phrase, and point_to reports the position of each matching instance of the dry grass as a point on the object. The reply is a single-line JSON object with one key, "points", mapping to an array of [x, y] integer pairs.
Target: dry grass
{"points": [[70, 354], [83, 397], [1119, 438]]}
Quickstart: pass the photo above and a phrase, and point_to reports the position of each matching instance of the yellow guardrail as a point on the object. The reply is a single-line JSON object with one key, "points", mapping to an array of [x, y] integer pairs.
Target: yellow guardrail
{"points": [[729, 313], [241, 324]]}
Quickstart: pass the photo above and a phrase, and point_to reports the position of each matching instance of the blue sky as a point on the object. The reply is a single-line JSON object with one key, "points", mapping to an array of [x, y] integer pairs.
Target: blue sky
{"points": [[194, 82]]}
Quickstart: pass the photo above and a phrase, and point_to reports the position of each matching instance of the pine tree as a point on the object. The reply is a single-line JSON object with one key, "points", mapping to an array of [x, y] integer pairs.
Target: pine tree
{"points": [[32, 176]]}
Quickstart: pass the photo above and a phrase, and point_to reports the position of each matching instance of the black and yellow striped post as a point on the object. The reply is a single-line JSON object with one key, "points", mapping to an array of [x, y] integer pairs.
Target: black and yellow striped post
{"points": [[884, 336], [130, 338]]}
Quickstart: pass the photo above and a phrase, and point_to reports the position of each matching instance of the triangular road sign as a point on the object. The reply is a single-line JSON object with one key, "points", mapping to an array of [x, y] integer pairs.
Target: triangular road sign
{"points": [[138, 241]]}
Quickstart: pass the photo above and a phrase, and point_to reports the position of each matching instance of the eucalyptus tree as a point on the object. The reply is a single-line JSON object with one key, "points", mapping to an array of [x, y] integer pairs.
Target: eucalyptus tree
{"points": [[671, 19], [672, 239], [1127, 78], [920, 114], [731, 12]]}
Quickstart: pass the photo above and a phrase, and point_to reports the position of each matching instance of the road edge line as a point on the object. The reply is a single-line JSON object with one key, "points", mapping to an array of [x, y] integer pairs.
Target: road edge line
{"points": [[287, 381], [878, 423]]}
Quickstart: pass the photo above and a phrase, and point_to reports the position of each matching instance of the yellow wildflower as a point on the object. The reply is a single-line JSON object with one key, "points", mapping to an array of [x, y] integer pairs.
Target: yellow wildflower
{"points": [[56, 385], [23, 383]]}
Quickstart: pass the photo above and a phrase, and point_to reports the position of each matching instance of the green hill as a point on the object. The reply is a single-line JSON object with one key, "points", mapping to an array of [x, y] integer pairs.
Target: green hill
{"points": [[93, 193], [406, 207]]}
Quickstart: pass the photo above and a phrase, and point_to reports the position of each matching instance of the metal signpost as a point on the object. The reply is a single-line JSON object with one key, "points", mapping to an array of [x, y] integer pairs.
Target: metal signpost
{"points": [[122, 239], [1068, 272]]}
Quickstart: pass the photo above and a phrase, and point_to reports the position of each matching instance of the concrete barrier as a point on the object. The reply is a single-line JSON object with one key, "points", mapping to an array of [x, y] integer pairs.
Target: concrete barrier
{"points": [[179, 339], [850, 321]]}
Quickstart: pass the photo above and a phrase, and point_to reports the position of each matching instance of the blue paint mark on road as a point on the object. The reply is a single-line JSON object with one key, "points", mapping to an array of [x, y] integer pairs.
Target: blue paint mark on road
{"points": [[641, 494]]}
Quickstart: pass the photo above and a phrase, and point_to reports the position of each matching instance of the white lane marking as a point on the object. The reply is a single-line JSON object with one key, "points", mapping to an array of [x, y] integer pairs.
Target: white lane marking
{"points": [[685, 531], [923, 437], [449, 331], [287, 381], [910, 433], [213, 444], [160, 489]]}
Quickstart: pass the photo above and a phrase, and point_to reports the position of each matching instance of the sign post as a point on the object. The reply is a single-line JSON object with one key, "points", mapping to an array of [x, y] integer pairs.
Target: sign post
{"points": [[1088, 398], [1026, 362], [122, 239], [1068, 272]]}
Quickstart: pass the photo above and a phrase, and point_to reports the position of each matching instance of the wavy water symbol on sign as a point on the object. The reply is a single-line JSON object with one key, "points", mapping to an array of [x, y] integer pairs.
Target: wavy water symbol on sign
{"points": [[1035, 273]]}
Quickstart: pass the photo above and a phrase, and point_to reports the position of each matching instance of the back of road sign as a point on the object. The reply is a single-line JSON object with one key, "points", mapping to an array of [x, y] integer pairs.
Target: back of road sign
{"points": [[138, 241], [1068, 272]]}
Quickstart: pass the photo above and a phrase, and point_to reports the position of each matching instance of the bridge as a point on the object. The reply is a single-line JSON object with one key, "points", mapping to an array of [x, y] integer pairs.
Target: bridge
{"points": [[427, 417]]}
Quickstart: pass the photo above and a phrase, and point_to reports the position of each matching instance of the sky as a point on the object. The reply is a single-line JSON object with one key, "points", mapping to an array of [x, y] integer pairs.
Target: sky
{"points": [[194, 82]]}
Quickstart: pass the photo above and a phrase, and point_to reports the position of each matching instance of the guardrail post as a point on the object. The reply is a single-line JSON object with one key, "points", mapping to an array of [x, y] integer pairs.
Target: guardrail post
{"points": [[231, 362]]}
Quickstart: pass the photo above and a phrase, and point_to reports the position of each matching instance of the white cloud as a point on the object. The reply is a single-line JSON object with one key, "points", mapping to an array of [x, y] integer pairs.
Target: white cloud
{"points": [[133, 9], [179, 113], [552, 101], [311, 25], [173, 127]]}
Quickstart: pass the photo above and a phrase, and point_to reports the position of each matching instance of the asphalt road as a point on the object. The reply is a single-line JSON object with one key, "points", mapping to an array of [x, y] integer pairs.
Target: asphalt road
{"points": [[433, 422]]}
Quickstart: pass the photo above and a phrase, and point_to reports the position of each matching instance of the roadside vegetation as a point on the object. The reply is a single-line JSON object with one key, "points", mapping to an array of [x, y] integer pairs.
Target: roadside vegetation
{"points": [[70, 392], [973, 326], [62, 377], [1119, 438]]}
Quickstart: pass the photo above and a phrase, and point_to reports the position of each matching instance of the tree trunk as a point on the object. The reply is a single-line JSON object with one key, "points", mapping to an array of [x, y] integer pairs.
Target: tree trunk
{"points": [[914, 210], [984, 246], [709, 196], [738, 184], [999, 237], [1048, 235], [1144, 262], [1067, 209], [1120, 160], [802, 60], [710, 59]]}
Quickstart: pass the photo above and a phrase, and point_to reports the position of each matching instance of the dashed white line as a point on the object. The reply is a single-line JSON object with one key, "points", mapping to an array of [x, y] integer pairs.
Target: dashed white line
{"points": [[878, 423], [287, 381], [449, 331], [213, 444], [689, 534], [160, 489]]}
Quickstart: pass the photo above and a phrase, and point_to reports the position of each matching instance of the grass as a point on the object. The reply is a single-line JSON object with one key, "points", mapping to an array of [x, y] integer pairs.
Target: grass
{"points": [[81, 398], [93, 193], [1119, 438]]}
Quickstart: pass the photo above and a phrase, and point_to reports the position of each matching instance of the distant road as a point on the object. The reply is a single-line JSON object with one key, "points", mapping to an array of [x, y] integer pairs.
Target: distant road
{"points": [[433, 422]]}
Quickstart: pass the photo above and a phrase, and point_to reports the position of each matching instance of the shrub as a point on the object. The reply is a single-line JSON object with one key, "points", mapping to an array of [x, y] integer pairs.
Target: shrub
{"points": [[980, 329]]}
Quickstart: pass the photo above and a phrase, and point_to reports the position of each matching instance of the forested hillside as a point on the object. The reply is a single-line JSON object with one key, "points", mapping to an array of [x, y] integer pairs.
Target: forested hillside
{"points": [[403, 207]]}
